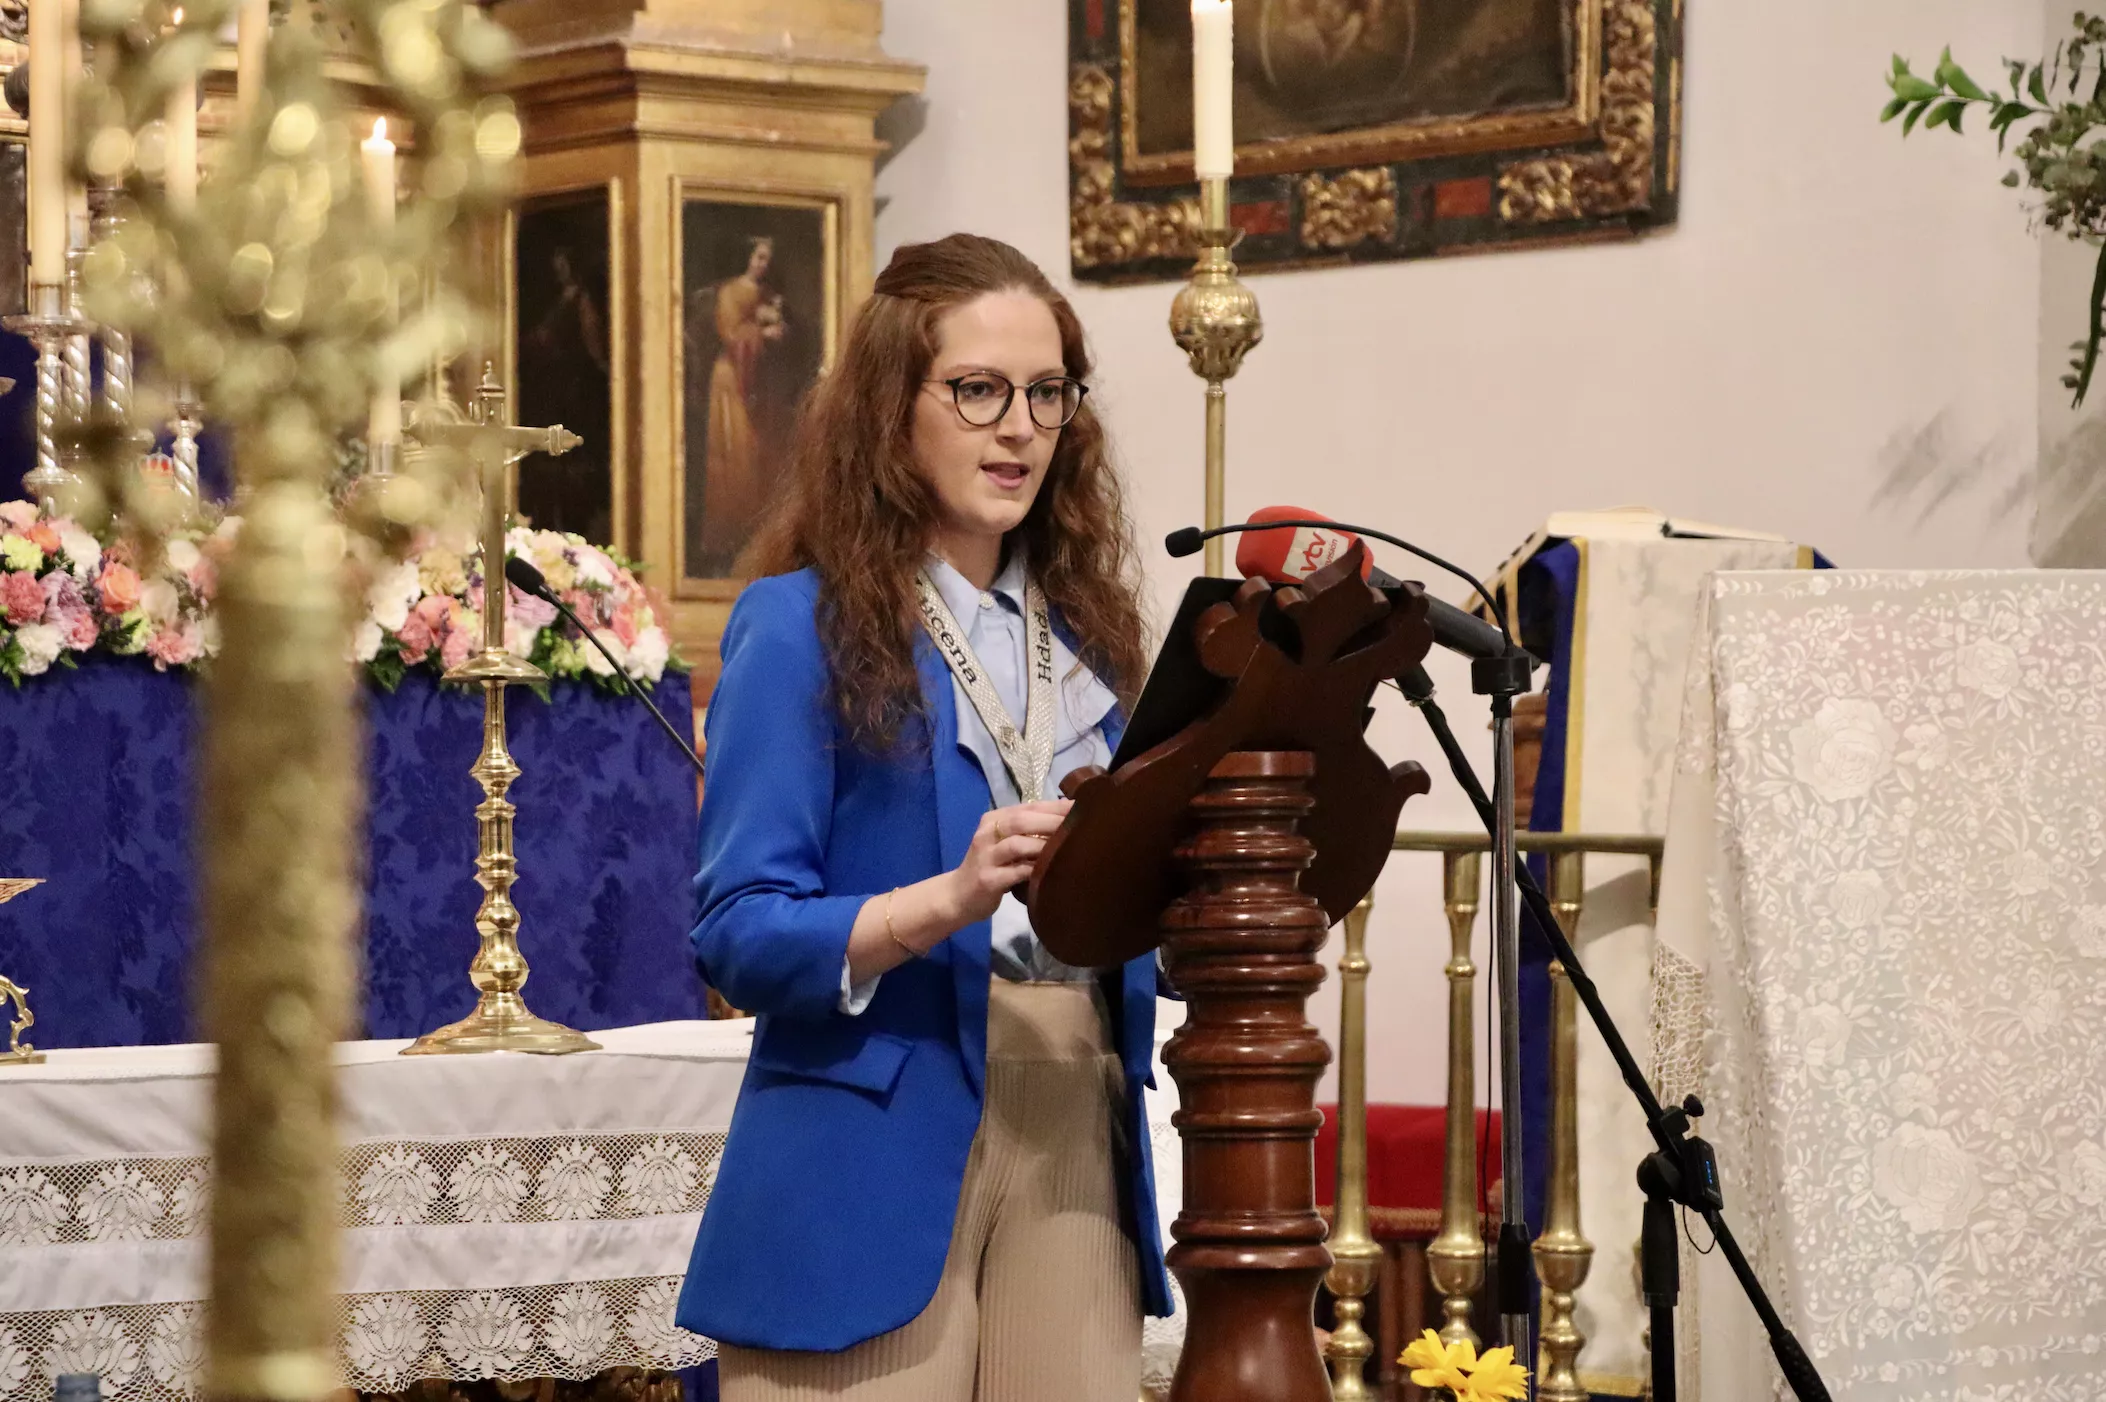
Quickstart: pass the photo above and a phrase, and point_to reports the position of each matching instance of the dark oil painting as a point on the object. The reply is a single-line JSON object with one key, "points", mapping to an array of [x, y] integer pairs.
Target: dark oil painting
{"points": [[754, 279], [563, 356]]}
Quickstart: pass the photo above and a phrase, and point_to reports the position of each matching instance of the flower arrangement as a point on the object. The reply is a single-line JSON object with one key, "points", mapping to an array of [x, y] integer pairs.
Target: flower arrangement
{"points": [[63, 592], [1458, 1370], [427, 611]]}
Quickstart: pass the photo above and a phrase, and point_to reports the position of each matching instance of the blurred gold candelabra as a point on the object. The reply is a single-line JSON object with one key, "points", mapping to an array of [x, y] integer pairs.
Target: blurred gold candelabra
{"points": [[1214, 319], [1354, 1252], [19, 1052]]}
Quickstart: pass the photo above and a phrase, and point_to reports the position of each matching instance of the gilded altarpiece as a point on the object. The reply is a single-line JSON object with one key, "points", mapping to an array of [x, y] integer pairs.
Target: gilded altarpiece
{"points": [[1375, 129], [695, 229]]}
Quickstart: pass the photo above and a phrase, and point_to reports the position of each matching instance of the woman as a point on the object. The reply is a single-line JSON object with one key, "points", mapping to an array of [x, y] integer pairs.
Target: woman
{"points": [[748, 320], [937, 1185]]}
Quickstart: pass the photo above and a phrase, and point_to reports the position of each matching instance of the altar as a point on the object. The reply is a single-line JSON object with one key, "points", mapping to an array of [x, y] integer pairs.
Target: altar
{"points": [[100, 775]]}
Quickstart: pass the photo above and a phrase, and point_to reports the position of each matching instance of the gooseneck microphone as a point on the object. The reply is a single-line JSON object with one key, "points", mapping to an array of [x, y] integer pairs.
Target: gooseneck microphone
{"points": [[530, 580]]}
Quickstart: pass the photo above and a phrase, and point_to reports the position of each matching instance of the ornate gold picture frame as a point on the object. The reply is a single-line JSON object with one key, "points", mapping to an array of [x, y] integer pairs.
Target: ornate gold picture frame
{"points": [[1376, 129]]}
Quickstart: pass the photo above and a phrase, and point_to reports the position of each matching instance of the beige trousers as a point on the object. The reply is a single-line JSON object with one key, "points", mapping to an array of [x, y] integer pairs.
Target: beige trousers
{"points": [[1040, 1298]]}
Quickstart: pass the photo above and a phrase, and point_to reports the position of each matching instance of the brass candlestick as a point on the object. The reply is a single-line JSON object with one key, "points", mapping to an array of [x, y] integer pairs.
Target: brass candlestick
{"points": [[48, 324], [1214, 318], [19, 1052], [1455, 1258], [1354, 1253], [1563, 1253], [501, 1020]]}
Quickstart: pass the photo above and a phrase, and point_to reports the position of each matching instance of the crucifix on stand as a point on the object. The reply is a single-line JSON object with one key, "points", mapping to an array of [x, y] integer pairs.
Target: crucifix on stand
{"points": [[501, 1020]]}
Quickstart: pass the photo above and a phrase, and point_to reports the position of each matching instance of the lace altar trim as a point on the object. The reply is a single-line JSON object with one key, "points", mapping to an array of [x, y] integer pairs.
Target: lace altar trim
{"points": [[154, 1353]]}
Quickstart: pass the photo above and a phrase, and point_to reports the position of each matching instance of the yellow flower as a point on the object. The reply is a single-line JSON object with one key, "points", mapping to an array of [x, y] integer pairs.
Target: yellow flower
{"points": [[1496, 1378], [1437, 1364]]}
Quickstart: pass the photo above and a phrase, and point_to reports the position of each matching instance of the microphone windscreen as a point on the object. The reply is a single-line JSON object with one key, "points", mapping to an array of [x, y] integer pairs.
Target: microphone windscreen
{"points": [[1185, 540], [1290, 554], [523, 574]]}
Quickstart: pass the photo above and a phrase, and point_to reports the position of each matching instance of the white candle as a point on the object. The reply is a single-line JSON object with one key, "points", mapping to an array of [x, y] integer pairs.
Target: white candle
{"points": [[71, 67], [377, 157], [47, 141], [1213, 70], [252, 32]]}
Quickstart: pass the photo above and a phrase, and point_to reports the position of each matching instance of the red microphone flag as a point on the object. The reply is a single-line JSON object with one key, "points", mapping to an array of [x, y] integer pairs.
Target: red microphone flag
{"points": [[1292, 553]]}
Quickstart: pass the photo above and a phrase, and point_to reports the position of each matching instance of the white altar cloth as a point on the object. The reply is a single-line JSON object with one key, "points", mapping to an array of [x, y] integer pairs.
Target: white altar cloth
{"points": [[1882, 962], [505, 1216]]}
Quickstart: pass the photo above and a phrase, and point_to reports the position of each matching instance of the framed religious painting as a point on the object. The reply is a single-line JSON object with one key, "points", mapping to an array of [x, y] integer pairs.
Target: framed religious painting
{"points": [[563, 361], [759, 304], [1375, 129]]}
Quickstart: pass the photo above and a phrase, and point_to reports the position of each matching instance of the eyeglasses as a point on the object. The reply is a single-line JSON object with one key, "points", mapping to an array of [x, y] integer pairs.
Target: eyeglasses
{"points": [[983, 398]]}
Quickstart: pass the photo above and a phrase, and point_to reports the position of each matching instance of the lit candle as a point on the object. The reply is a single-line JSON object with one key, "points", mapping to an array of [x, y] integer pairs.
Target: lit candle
{"points": [[252, 32], [180, 125], [47, 141], [1213, 68], [377, 153]]}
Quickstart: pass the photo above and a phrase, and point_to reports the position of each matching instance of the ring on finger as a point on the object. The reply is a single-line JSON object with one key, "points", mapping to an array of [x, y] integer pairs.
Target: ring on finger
{"points": [[999, 834]]}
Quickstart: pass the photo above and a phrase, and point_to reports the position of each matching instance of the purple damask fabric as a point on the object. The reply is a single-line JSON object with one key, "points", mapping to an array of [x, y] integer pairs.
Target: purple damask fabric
{"points": [[95, 796]]}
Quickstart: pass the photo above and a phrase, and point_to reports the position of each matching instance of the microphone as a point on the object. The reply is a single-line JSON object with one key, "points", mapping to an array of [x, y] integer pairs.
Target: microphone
{"points": [[1286, 545], [530, 580]]}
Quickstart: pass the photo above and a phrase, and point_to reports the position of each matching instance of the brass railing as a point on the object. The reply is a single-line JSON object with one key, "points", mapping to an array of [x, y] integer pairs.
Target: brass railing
{"points": [[1455, 1259]]}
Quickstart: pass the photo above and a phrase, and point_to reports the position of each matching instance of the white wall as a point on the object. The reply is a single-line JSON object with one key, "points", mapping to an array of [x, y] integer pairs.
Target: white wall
{"points": [[1841, 325]]}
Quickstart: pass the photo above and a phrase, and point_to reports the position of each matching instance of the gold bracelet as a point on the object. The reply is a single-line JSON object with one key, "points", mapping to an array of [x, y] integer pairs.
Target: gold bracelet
{"points": [[890, 935]]}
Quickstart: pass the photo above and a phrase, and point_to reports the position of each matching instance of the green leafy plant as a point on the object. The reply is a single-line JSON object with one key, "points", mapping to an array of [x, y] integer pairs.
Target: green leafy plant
{"points": [[2060, 102]]}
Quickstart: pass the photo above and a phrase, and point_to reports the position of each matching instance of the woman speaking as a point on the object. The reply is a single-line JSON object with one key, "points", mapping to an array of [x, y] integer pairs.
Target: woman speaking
{"points": [[937, 1186]]}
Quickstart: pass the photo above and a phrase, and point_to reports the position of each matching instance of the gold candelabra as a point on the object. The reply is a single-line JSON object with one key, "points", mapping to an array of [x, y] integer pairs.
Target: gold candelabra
{"points": [[1354, 1252], [19, 1052], [1214, 319], [1563, 1253], [1455, 1257], [501, 1021]]}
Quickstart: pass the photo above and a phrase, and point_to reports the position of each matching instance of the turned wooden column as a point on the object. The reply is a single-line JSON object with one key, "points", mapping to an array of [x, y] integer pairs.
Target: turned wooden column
{"points": [[1242, 946]]}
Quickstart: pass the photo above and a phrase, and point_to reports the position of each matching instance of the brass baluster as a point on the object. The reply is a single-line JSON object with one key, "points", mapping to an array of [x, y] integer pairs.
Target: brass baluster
{"points": [[1563, 1254], [1354, 1253], [1455, 1258]]}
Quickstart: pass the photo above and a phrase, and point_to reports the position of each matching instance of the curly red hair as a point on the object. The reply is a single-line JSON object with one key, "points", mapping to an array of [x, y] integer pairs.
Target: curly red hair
{"points": [[858, 511]]}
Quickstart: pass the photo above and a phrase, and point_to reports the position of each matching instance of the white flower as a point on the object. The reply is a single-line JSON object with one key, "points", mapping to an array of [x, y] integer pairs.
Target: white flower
{"points": [[594, 567], [93, 1342], [650, 1323], [1857, 899], [2082, 1173], [580, 1327], [2029, 873], [1928, 746], [595, 661], [1843, 750], [488, 1186], [1928, 1177], [1987, 666], [519, 638], [659, 1178], [1895, 1288], [1823, 1032], [366, 639], [2088, 933], [41, 644], [574, 1183], [14, 1361], [122, 1204], [83, 553], [649, 653], [181, 555], [397, 1189], [2041, 1013], [1912, 1091], [485, 1335], [175, 1355], [386, 1340], [391, 593], [32, 1209], [158, 597]]}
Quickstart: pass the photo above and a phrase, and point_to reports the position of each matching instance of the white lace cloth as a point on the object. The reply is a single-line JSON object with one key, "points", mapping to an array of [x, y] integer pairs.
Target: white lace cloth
{"points": [[1882, 961], [505, 1217]]}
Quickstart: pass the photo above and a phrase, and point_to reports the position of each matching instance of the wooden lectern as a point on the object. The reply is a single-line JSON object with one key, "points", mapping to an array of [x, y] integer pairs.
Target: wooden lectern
{"points": [[1236, 843]]}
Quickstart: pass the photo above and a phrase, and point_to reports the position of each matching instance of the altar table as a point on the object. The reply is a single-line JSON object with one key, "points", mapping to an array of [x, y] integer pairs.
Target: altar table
{"points": [[1882, 963], [98, 770], [505, 1216]]}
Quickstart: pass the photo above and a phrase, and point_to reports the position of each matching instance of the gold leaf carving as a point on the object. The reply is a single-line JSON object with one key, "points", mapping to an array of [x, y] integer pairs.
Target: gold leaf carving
{"points": [[1617, 179], [1356, 206], [1101, 229]]}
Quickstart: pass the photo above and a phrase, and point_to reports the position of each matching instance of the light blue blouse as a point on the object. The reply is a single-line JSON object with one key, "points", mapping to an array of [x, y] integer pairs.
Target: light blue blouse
{"points": [[993, 620]]}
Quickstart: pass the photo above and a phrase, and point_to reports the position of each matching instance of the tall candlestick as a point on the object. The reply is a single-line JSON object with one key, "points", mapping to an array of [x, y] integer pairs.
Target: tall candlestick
{"points": [[384, 423], [180, 124], [71, 67], [47, 142], [252, 32], [1213, 86]]}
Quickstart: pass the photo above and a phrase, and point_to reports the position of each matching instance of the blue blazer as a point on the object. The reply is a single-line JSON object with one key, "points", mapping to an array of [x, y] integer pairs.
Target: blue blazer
{"points": [[833, 1206]]}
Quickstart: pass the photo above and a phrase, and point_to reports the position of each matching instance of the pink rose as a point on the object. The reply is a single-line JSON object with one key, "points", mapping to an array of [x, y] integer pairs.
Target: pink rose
{"points": [[458, 645], [21, 597], [120, 588], [419, 633], [204, 578], [624, 624], [18, 515], [173, 647], [583, 604]]}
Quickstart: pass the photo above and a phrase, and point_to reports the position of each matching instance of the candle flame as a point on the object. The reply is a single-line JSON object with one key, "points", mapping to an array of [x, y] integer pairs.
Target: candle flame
{"points": [[179, 16], [380, 128]]}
